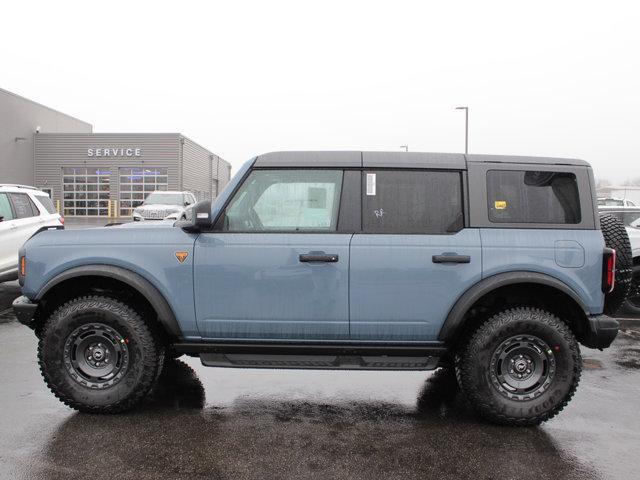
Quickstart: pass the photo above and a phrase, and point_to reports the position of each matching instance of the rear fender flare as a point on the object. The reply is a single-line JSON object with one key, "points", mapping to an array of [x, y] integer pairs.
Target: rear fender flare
{"points": [[455, 319]]}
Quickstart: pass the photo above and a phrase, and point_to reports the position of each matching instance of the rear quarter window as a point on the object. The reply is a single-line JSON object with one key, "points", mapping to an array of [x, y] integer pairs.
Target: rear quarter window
{"points": [[529, 196], [47, 203]]}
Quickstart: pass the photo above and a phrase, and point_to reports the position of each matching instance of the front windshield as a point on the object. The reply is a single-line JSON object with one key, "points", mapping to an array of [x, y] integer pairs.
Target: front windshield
{"points": [[164, 199]]}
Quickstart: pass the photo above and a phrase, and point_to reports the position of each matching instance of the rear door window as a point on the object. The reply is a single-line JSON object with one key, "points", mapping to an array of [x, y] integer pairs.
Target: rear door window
{"points": [[518, 196], [412, 201], [23, 206], [5, 208]]}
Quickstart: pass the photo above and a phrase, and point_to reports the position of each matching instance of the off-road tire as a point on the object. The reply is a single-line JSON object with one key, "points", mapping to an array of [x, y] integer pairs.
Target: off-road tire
{"points": [[615, 236], [474, 366], [145, 355]]}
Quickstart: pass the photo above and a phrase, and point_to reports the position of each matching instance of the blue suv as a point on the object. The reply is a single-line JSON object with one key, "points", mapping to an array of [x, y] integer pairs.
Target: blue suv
{"points": [[492, 268]]}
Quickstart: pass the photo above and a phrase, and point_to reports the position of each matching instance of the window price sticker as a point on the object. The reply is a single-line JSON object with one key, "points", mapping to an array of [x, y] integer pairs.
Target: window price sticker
{"points": [[371, 183]]}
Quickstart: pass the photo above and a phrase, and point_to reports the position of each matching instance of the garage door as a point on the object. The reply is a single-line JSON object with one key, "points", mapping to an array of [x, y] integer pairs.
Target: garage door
{"points": [[86, 191], [137, 183]]}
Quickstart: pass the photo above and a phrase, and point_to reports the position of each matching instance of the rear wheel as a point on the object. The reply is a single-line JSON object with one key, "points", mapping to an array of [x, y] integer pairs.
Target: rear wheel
{"points": [[98, 355], [520, 367]]}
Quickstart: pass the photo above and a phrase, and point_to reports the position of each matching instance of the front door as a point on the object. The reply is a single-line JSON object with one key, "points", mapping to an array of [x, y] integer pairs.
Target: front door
{"points": [[414, 258], [275, 268]]}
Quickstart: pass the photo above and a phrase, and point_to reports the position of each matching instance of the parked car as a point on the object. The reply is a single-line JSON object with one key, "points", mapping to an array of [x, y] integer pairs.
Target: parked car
{"points": [[615, 202], [630, 217], [492, 268], [163, 205], [23, 211]]}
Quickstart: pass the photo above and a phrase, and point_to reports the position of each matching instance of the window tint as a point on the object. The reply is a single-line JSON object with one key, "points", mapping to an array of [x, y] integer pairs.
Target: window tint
{"points": [[47, 203], [412, 202], [516, 196], [286, 200], [23, 206], [5, 207]]}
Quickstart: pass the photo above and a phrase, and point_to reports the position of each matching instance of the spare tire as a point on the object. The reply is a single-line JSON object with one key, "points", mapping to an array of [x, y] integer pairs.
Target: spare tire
{"points": [[615, 236]]}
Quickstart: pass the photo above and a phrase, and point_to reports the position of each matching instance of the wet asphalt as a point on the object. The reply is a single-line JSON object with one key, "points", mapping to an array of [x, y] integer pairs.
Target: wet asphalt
{"points": [[214, 423]]}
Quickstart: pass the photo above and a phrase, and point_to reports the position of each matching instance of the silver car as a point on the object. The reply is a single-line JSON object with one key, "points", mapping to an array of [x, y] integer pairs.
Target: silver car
{"points": [[165, 206]]}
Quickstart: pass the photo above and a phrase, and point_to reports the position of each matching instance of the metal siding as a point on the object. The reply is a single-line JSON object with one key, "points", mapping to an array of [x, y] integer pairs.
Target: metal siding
{"points": [[19, 117], [54, 151], [200, 167]]}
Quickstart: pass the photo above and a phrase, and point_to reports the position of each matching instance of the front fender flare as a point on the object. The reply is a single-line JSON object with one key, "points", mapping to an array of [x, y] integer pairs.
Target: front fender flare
{"points": [[455, 318], [134, 280]]}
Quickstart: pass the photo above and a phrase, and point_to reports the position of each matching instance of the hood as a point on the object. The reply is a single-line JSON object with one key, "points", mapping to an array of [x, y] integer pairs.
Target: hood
{"points": [[159, 206], [156, 224], [136, 234]]}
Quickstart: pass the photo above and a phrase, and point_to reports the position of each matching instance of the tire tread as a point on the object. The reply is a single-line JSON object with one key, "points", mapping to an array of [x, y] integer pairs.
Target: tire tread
{"points": [[481, 335], [149, 342]]}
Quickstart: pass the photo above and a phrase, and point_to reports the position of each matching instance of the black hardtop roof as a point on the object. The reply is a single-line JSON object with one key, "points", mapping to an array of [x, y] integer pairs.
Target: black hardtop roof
{"points": [[397, 159]]}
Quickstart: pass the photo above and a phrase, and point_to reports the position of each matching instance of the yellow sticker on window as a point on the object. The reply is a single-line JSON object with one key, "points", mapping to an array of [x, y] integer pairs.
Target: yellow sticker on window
{"points": [[500, 204]]}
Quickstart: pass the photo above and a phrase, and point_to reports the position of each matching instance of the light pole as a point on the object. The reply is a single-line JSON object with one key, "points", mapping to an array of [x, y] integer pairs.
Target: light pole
{"points": [[406, 147], [466, 128]]}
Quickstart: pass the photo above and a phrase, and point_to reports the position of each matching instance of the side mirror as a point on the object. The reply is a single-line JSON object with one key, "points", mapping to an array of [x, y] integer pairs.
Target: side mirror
{"points": [[198, 218]]}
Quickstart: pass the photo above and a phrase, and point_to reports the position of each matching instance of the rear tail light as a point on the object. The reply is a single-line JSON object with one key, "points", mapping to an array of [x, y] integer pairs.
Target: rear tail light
{"points": [[62, 219], [609, 270]]}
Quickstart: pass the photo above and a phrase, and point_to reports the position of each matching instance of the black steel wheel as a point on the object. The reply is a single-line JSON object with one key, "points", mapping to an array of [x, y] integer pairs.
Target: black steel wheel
{"points": [[98, 355], [520, 367]]}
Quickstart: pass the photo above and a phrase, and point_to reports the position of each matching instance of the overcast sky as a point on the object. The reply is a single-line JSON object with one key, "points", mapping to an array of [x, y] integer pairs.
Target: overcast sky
{"points": [[243, 78]]}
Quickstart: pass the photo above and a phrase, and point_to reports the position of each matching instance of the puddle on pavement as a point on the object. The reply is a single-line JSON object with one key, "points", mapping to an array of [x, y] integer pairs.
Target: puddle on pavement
{"points": [[177, 434]]}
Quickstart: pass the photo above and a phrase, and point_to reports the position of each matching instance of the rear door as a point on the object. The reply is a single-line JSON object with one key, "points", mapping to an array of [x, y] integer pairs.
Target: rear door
{"points": [[9, 236], [27, 216], [414, 258]]}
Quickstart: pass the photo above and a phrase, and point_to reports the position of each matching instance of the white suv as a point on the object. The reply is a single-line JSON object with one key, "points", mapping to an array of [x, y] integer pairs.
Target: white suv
{"points": [[23, 211], [165, 206]]}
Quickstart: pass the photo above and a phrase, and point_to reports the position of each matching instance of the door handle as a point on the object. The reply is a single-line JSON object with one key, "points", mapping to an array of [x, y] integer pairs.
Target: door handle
{"points": [[318, 257], [451, 258]]}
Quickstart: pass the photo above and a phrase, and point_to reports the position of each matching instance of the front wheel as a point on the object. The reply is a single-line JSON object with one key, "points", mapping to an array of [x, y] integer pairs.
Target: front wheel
{"points": [[520, 367], [98, 355]]}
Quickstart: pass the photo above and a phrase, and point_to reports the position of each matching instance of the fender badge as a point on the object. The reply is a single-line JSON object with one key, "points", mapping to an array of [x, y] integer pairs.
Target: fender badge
{"points": [[182, 256]]}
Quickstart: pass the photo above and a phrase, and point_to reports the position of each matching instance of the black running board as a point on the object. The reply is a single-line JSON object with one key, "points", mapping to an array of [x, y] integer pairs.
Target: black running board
{"points": [[319, 362]]}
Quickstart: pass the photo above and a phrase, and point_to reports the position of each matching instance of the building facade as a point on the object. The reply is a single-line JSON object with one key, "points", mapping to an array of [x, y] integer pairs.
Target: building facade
{"points": [[20, 119], [99, 174], [109, 174]]}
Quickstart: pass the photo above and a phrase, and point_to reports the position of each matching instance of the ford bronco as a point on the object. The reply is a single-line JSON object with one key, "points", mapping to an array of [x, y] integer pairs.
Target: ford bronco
{"points": [[493, 268]]}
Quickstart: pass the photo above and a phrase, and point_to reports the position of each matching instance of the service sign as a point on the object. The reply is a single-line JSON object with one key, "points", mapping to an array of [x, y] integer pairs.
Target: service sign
{"points": [[114, 152]]}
